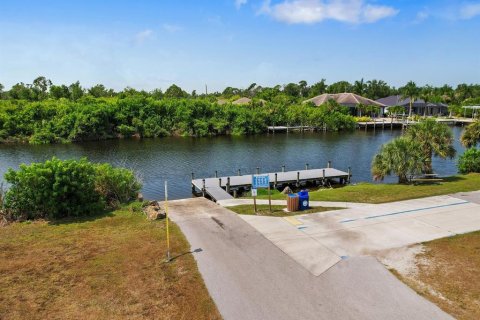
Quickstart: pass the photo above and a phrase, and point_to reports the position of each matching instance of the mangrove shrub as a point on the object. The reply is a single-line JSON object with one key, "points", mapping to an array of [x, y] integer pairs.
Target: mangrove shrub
{"points": [[66, 188]]}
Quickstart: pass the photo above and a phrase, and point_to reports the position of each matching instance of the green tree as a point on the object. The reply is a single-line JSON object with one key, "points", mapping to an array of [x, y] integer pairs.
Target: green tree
{"points": [[410, 91], [359, 87], [230, 92], [58, 92], [426, 94], [157, 94], [401, 157], [304, 89], [362, 109], [339, 87], [471, 135], [21, 91], [434, 139], [469, 161], [318, 88], [175, 91], [98, 91], [40, 87], [396, 110], [376, 89], [292, 89], [463, 92], [76, 91]]}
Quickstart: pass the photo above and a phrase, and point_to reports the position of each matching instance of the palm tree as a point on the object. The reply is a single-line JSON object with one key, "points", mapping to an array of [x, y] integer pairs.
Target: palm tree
{"points": [[401, 157], [410, 91], [471, 135], [359, 87], [434, 139], [362, 108], [395, 110], [426, 94]]}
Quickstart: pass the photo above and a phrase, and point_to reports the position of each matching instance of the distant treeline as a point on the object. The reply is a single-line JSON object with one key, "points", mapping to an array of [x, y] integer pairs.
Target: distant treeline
{"points": [[42, 112], [52, 121], [42, 88]]}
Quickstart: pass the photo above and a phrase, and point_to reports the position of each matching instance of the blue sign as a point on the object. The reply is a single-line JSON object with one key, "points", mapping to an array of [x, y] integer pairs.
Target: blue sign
{"points": [[260, 181]]}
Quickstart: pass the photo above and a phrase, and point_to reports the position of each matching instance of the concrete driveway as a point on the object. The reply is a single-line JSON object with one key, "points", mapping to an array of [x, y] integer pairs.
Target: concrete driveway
{"points": [[318, 241], [250, 277]]}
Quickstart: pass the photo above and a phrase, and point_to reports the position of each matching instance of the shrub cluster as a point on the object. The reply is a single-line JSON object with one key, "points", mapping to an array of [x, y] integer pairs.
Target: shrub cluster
{"points": [[469, 161], [66, 188]]}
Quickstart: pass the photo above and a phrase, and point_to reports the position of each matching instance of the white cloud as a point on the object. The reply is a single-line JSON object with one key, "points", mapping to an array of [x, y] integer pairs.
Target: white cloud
{"points": [[469, 11], [172, 28], [373, 13], [240, 3], [422, 16], [143, 35], [314, 11]]}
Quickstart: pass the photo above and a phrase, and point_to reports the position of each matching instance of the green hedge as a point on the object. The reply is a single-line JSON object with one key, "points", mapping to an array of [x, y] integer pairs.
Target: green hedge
{"points": [[66, 188]]}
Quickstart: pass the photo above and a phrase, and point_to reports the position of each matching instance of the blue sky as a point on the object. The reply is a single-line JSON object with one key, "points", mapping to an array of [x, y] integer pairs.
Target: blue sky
{"points": [[152, 44]]}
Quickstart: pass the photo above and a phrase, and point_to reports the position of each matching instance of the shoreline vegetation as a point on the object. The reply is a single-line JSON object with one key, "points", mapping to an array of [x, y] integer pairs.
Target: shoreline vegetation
{"points": [[90, 119], [42, 112]]}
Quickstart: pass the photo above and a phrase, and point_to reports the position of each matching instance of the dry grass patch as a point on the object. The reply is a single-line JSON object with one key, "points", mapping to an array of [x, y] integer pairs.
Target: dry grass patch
{"points": [[448, 274], [111, 266]]}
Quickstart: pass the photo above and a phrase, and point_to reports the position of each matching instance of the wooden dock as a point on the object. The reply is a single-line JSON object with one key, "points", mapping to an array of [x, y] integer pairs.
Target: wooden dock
{"points": [[274, 129], [222, 188], [389, 123]]}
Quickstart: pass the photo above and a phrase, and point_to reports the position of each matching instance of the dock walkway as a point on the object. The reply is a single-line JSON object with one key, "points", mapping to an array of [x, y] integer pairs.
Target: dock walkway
{"points": [[220, 188]]}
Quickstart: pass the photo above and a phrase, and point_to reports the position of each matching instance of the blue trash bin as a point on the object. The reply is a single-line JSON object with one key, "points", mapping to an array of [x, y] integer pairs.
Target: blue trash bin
{"points": [[304, 200]]}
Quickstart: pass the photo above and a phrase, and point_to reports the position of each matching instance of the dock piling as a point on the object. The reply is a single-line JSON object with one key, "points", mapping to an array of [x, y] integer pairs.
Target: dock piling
{"points": [[283, 168], [228, 185], [220, 182], [323, 176], [216, 174], [239, 172], [329, 164], [276, 180], [298, 179], [203, 187], [349, 174], [306, 166], [193, 186], [258, 170]]}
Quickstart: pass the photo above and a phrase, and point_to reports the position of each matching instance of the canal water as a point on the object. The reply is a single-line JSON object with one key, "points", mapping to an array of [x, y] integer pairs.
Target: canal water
{"points": [[175, 158]]}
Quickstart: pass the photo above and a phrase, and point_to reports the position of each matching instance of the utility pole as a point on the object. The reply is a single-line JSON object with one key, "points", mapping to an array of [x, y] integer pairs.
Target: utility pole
{"points": [[206, 90]]}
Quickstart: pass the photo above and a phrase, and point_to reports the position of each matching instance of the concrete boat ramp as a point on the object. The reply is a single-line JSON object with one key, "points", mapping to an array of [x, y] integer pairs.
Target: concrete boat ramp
{"points": [[318, 241], [220, 188], [318, 266]]}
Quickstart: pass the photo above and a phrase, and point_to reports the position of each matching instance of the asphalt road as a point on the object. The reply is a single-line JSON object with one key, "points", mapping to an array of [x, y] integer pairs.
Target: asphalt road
{"points": [[250, 278]]}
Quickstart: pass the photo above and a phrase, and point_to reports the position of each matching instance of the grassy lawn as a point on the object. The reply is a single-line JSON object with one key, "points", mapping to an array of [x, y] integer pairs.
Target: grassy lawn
{"points": [[108, 267], [448, 275], [277, 211], [381, 193]]}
